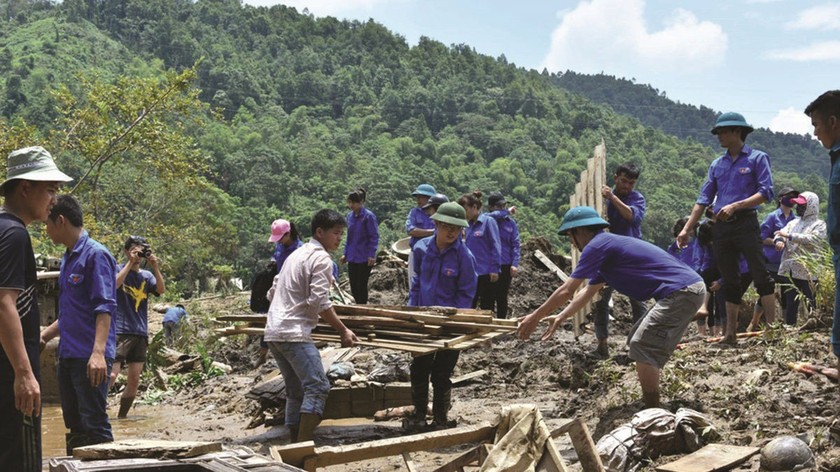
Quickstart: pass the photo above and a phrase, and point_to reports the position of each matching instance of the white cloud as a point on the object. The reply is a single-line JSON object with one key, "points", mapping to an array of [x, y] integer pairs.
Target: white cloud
{"points": [[612, 35], [824, 51], [323, 7], [791, 120], [820, 17]]}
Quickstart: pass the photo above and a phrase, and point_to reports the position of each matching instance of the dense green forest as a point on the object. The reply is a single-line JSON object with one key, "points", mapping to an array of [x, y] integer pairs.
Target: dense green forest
{"points": [[789, 152], [198, 123]]}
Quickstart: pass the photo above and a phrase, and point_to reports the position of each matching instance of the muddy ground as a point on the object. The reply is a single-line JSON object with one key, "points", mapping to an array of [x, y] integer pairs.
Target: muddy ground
{"points": [[748, 393]]}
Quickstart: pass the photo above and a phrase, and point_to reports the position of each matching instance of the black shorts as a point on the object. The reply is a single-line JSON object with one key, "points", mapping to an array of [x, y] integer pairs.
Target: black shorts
{"points": [[131, 348]]}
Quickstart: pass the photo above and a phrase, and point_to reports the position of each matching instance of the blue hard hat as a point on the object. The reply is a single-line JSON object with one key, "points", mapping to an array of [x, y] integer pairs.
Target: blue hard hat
{"points": [[581, 216], [731, 118], [423, 190]]}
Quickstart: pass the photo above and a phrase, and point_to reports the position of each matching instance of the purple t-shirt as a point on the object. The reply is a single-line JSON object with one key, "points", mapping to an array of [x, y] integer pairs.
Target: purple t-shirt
{"points": [[618, 225], [632, 266]]}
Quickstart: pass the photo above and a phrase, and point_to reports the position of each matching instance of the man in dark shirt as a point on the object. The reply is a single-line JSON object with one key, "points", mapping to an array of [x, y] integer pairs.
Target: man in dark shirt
{"points": [[32, 181]]}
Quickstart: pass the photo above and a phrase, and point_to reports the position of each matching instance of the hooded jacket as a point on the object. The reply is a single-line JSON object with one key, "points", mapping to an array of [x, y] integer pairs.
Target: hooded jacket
{"points": [[805, 236]]}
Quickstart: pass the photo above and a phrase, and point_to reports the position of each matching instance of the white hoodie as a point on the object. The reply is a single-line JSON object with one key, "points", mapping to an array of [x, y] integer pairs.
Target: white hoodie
{"points": [[805, 235]]}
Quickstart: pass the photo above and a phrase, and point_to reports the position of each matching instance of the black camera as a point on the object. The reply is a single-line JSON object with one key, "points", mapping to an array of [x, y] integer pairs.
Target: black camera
{"points": [[145, 250]]}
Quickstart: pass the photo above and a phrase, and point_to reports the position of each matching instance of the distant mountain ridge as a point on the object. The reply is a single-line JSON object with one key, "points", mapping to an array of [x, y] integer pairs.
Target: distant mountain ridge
{"points": [[789, 152]]}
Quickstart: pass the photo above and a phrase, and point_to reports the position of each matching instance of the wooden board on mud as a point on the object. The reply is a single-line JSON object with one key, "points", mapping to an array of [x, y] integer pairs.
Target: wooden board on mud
{"points": [[151, 448], [711, 458]]}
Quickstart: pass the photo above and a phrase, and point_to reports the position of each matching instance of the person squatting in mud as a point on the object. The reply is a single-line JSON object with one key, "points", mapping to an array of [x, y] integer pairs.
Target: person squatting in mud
{"points": [[300, 296], [444, 275], [637, 269]]}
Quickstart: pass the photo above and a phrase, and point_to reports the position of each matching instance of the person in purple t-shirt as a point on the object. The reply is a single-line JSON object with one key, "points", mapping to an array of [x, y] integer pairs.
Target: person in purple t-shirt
{"points": [[87, 301], [360, 245], [625, 211], [134, 285], [637, 269], [738, 182]]}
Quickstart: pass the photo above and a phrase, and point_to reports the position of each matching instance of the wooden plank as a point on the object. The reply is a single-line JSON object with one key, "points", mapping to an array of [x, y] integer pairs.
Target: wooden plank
{"points": [[409, 463], [334, 338], [392, 446], [354, 310], [465, 459], [551, 266], [256, 319], [149, 448], [450, 343], [550, 461], [467, 377], [584, 446], [711, 458], [294, 453]]}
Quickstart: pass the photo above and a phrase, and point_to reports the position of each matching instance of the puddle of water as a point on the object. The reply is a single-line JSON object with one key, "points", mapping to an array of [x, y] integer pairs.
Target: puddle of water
{"points": [[141, 420]]}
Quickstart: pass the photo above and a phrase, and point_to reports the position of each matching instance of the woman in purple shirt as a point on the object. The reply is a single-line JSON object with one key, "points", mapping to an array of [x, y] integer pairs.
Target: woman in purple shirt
{"points": [[361, 244]]}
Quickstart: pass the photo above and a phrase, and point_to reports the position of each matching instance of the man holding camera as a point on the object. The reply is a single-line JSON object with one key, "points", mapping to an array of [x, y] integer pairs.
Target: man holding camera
{"points": [[133, 288]]}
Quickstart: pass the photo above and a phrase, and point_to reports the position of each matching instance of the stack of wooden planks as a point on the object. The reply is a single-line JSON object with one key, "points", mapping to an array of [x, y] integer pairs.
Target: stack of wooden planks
{"points": [[418, 330]]}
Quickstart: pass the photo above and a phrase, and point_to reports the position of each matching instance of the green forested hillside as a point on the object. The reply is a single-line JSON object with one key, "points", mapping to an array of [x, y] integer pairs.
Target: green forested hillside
{"points": [[789, 152], [308, 109]]}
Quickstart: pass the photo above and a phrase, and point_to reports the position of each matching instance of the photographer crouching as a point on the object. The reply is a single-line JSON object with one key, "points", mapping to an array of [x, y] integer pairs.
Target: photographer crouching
{"points": [[134, 285]]}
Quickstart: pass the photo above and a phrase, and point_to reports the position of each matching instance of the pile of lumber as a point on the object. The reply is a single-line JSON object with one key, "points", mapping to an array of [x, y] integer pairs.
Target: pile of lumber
{"points": [[418, 330]]}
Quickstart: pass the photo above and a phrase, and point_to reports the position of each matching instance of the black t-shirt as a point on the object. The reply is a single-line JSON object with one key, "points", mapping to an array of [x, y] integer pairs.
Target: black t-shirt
{"points": [[18, 272]]}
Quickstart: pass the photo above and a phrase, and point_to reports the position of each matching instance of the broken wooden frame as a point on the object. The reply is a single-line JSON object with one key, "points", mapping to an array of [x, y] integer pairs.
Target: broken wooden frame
{"points": [[417, 330], [588, 193], [309, 457]]}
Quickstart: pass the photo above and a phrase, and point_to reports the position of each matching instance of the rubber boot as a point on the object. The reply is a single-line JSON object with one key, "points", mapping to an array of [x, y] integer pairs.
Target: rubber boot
{"points": [[603, 349], [294, 430], [440, 410], [72, 441], [125, 405], [306, 428], [420, 398]]}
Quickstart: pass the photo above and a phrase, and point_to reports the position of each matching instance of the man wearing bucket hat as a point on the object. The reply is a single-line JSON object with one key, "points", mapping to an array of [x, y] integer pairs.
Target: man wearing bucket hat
{"points": [[445, 276], [637, 269], [32, 181], [738, 182], [418, 225]]}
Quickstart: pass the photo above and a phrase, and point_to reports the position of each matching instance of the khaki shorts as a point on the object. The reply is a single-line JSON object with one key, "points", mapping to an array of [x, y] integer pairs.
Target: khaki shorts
{"points": [[654, 337], [131, 348]]}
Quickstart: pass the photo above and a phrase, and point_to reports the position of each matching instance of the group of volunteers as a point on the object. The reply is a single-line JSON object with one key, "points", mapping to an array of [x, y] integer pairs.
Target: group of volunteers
{"points": [[102, 314], [731, 249], [460, 257]]}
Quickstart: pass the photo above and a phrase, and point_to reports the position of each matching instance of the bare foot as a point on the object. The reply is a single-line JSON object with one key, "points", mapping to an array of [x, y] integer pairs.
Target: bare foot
{"points": [[751, 328]]}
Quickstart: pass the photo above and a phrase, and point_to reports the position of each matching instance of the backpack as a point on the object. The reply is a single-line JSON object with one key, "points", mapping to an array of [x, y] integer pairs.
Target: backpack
{"points": [[259, 289]]}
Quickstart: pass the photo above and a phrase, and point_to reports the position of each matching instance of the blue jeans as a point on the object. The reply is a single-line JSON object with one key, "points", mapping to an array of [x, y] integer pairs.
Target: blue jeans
{"points": [[84, 407], [601, 312], [307, 385]]}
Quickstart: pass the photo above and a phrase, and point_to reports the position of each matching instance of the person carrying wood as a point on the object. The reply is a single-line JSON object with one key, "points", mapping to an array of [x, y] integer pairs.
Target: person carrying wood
{"points": [[637, 269], [300, 296], [444, 276]]}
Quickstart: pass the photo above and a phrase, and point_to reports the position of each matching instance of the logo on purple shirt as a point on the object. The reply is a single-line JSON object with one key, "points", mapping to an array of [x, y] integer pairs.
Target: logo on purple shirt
{"points": [[478, 234], [744, 170], [76, 279], [449, 272]]}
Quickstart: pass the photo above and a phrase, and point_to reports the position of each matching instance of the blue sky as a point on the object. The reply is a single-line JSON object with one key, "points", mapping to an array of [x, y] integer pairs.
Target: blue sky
{"points": [[766, 59]]}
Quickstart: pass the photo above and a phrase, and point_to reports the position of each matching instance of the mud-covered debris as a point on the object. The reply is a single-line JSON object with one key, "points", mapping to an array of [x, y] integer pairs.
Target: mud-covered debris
{"points": [[786, 453]]}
